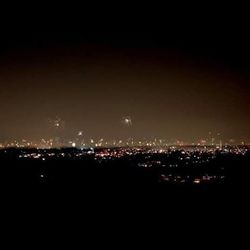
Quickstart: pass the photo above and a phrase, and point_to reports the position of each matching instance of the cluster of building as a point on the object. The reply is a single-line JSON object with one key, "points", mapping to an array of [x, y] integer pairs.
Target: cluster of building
{"points": [[80, 142], [183, 155]]}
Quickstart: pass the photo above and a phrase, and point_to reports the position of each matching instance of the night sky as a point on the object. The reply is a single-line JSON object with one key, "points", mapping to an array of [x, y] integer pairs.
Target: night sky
{"points": [[177, 84]]}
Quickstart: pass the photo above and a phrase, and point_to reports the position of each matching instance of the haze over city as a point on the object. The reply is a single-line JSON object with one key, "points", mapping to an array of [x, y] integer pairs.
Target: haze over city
{"points": [[171, 87]]}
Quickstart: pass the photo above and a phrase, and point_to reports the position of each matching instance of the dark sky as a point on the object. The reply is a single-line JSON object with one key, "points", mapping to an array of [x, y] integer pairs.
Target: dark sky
{"points": [[174, 84]]}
